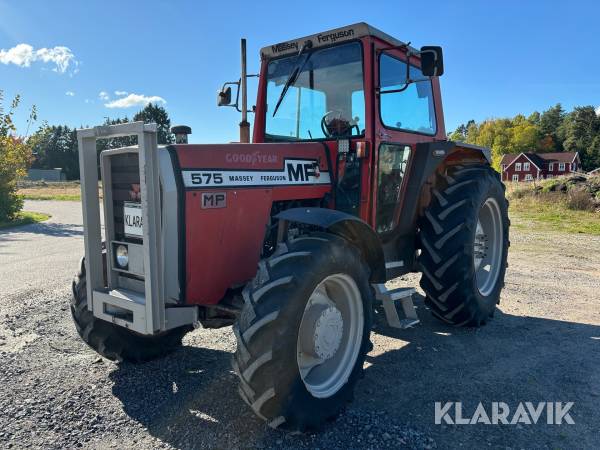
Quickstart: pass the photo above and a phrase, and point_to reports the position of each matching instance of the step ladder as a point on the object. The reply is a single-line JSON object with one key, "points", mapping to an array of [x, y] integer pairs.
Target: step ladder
{"points": [[395, 299]]}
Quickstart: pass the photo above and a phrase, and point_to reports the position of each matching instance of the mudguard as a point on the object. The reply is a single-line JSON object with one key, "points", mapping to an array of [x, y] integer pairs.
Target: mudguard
{"points": [[352, 228], [400, 244]]}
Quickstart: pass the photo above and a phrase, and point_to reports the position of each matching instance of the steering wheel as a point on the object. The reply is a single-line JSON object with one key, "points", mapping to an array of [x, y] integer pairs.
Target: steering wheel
{"points": [[333, 124]]}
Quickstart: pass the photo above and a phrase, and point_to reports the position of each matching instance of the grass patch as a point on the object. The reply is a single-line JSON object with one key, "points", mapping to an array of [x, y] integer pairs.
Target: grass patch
{"points": [[565, 204], [24, 218], [48, 196], [552, 214]]}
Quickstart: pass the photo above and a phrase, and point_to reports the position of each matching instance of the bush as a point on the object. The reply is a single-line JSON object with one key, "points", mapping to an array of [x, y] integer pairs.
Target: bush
{"points": [[580, 200], [520, 193], [15, 157]]}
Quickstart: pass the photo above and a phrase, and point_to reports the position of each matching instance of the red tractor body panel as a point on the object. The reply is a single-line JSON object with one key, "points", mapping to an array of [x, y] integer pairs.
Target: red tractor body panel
{"points": [[223, 238]]}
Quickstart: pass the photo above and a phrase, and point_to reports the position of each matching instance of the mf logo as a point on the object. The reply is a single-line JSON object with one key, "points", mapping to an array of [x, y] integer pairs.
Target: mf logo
{"points": [[213, 200], [304, 171]]}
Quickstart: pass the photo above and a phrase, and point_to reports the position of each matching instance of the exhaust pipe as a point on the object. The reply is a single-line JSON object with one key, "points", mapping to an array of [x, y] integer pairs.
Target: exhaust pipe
{"points": [[244, 125]]}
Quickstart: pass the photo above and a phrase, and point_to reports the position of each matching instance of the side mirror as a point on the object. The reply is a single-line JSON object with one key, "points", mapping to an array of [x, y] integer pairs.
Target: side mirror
{"points": [[224, 96], [432, 61]]}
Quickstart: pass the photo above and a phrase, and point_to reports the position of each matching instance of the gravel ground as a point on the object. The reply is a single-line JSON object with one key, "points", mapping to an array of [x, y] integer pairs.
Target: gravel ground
{"points": [[543, 345]]}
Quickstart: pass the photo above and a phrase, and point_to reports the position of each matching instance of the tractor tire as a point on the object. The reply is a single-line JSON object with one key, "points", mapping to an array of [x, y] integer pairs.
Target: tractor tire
{"points": [[464, 245], [304, 332], [112, 341]]}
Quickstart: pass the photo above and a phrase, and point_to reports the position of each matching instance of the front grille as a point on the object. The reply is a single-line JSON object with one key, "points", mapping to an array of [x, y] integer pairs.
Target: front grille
{"points": [[125, 173]]}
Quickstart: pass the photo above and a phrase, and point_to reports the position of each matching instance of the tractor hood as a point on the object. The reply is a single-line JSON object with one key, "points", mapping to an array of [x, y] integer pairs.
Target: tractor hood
{"points": [[226, 193]]}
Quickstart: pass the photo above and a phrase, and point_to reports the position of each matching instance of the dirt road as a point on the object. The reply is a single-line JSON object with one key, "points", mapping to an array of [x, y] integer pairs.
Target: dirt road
{"points": [[543, 345]]}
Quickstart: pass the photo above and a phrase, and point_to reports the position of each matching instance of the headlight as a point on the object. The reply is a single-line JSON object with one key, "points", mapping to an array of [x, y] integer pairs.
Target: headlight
{"points": [[122, 256]]}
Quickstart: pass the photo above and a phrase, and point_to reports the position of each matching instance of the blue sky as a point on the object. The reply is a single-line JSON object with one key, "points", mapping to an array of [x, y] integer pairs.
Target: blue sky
{"points": [[501, 58]]}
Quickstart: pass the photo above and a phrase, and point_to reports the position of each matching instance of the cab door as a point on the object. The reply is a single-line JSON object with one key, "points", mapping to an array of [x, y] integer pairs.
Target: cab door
{"points": [[404, 116]]}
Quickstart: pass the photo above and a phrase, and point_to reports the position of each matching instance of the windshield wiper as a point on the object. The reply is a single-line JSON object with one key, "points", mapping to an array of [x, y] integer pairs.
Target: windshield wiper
{"points": [[294, 75]]}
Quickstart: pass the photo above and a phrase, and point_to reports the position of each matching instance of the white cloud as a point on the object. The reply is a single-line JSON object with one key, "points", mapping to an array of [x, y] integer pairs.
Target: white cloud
{"points": [[103, 95], [70, 94], [23, 55], [134, 100], [598, 111], [20, 55], [121, 93]]}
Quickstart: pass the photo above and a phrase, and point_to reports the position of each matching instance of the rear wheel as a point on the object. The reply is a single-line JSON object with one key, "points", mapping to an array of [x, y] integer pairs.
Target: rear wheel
{"points": [[304, 332], [464, 245], [114, 342]]}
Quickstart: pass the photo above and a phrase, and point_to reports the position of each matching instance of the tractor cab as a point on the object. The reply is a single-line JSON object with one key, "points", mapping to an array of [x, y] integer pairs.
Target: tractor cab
{"points": [[366, 96]]}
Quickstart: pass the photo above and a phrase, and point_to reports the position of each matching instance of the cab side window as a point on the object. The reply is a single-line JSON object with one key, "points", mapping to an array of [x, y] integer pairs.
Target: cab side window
{"points": [[412, 109]]}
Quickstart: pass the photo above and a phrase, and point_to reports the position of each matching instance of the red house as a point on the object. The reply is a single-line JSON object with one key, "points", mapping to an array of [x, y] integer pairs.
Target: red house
{"points": [[536, 166]]}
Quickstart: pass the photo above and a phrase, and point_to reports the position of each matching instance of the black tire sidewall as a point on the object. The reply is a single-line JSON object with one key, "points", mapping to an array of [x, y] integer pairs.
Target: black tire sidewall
{"points": [[333, 258], [493, 189], [447, 232]]}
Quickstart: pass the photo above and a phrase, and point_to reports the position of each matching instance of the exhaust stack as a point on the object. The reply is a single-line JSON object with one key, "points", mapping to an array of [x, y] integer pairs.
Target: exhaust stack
{"points": [[244, 124]]}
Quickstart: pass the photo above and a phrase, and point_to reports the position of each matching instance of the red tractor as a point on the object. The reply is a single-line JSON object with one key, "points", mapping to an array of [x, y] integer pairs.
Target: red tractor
{"points": [[349, 182]]}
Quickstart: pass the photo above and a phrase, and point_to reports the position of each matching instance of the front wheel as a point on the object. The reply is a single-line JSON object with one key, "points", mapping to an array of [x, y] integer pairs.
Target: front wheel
{"points": [[304, 332], [464, 245]]}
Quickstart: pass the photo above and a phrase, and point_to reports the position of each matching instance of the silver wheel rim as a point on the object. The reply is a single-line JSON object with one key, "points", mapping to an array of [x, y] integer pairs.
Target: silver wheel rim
{"points": [[487, 246], [330, 335]]}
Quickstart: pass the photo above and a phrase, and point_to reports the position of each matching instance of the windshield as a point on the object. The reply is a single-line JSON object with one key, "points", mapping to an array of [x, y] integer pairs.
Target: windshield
{"points": [[327, 99]]}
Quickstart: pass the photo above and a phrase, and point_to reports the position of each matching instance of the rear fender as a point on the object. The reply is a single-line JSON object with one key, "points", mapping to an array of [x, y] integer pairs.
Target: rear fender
{"points": [[349, 227], [428, 159], [436, 156]]}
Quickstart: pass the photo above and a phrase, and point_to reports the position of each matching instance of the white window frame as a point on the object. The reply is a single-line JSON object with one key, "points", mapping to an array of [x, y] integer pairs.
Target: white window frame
{"points": [[551, 166], [528, 177], [526, 166], [561, 167], [515, 177], [517, 167]]}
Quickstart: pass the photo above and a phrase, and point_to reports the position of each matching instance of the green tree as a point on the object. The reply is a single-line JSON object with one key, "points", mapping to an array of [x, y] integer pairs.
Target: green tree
{"points": [[460, 134], [56, 146], [534, 118], [593, 154], [15, 156], [153, 113], [550, 124], [580, 128], [495, 134], [524, 135]]}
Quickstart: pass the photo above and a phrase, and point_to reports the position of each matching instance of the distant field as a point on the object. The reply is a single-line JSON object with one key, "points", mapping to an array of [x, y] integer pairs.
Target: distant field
{"points": [[42, 190]]}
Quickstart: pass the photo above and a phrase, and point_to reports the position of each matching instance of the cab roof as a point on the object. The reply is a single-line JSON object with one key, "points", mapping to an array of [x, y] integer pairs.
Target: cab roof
{"points": [[329, 37]]}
